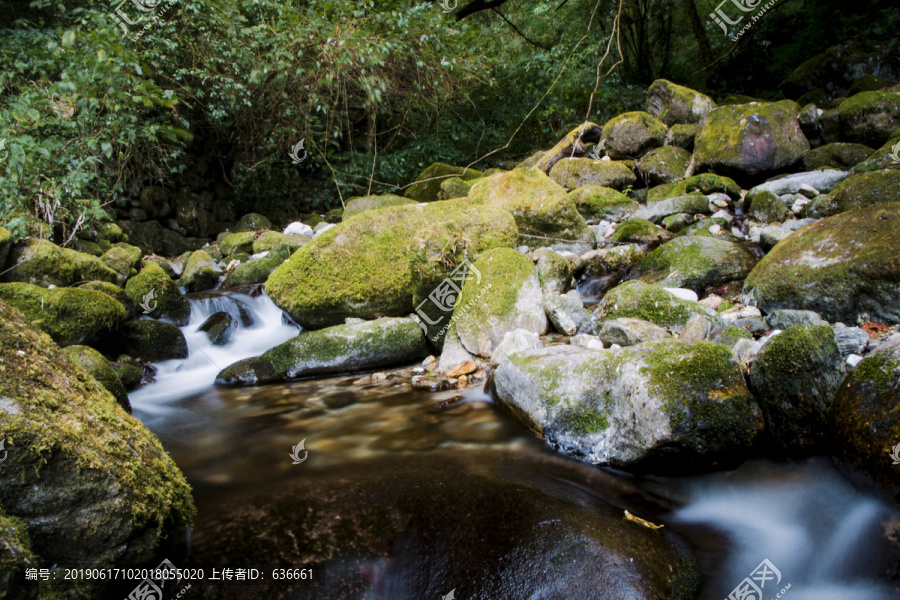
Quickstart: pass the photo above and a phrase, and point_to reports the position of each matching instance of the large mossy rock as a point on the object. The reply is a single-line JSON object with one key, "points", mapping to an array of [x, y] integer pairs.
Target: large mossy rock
{"points": [[99, 368], [257, 270], [633, 134], [653, 303], [838, 155], [672, 103], [794, 378], [750, 140], [696, 263], [69, 315], [240, 242], [252, 222], [603, 203], [766, 207], [539, 206], [664, 165], [656, 407], [91, 484], [428, 186], [270, 240], [507, 297], [870, 117], [157, 296], [43, 263], [123, 259], [200, 272], [865, 419], [857, 191], [365, 266], [152, 341], [843, 267], [573, 173], [554, 270], [706, 184], [359, 205], [639, 231], [340, 349]]}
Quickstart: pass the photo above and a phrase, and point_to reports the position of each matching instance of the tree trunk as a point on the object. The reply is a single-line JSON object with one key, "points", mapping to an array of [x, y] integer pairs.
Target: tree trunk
{"points": [[690, 10]]}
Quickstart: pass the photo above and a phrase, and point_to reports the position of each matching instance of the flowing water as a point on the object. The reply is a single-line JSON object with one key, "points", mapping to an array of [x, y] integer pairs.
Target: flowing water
{"points": [[474, 487]]}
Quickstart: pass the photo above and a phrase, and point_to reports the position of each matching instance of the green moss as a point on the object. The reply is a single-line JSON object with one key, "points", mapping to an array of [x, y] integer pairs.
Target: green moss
{"points": [[632, 134], [573, 173], [365, 203], [99, 368], [364, 266], [429, 181], [880, 373], [455, 187], [729, 336], [869, 117], [664, 165], [794, 350], [42, 263], [271, 240], [111, 232], [257, 271], [73, 441], [113, 291], [857, 191], [650, 303], [585, 422], [237, 242], [706, 184], [123, 259], [152, 341], [200, 272], [252, 222], [503, 273], [162, 263], [69, 315], [638, 231], [602, 203], [167, 299], [766, 207]]}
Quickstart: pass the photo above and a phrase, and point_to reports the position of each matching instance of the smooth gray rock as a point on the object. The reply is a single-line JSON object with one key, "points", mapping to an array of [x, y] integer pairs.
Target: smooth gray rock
{"points": [[626, 331], [688, 203], [823, 181], [784, 318], [567, 316], [850, 340], [696, 330]]}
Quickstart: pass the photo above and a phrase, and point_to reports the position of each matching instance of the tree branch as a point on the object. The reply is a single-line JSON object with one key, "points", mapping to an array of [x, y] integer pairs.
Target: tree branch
{"points": [[477, 6], [522, 35]]}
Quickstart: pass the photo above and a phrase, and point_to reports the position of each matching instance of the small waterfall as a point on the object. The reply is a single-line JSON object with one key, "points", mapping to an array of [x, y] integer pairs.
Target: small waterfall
{"points": [[260, 325], [805, 519]]}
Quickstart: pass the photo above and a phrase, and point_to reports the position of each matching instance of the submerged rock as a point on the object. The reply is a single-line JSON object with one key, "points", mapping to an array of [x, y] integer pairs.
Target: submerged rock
{"points": [[219, 328], [843, 267], [89, 484], [655, 407], [339, 349], [69, 315]]}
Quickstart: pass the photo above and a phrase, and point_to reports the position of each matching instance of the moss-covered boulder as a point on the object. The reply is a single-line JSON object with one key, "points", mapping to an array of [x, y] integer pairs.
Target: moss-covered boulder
{"points": [[340, 349], [428, 184], [237, 243], [124, 259], [706, 184], [766, 207], [573, 173], [883, 158], [151, 341], [633, 134], [603, 203], [359, 205], [271, 240], [157, 296], [870, 117], [91, 484], [554, 270], [99, 368], [857, 191], [69, 315], [682, 135], [113, 291], [693, 203], [200, 273], [672, 103], [5, 245], [865, 420], [257, 270], [695, 262], [750, 140], [539, 206], [507, 297], [677, 222], [639, 231], [838, 155], [652, 303], [252, 222], [532, 160], [664, 165], [794, 378], [843, 267], [626, 331], [612, 259], [43, 263], [364, 266], [164, 264], [656, 407], [455, 187]]}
